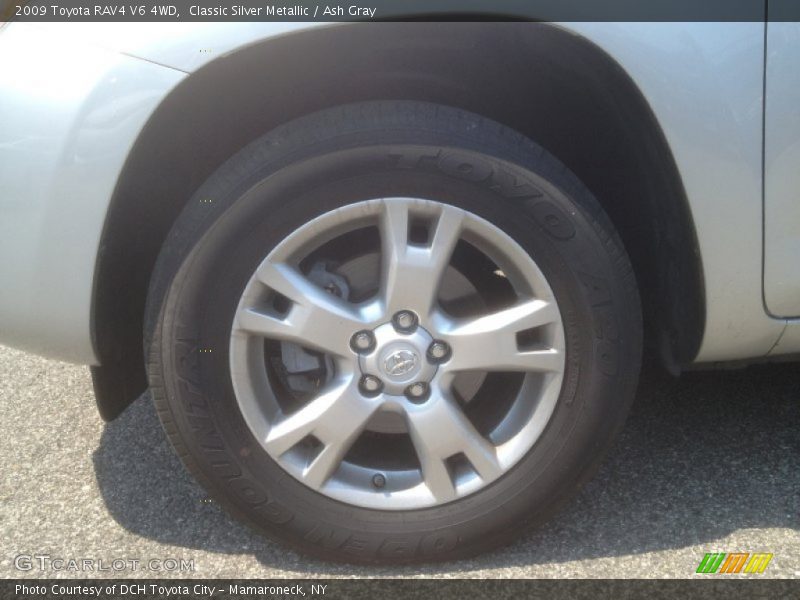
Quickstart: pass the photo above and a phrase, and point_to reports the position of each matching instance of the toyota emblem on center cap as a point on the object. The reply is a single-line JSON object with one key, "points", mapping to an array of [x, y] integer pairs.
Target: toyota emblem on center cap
{"points": [[400, 362]]}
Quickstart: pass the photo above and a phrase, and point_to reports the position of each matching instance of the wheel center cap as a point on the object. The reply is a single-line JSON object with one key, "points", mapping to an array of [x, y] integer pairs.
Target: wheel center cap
{"points": [[398, 359]]}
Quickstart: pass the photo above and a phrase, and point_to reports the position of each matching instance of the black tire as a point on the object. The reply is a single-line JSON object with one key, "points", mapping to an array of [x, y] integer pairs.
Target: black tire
{"points": [[351, 152]]}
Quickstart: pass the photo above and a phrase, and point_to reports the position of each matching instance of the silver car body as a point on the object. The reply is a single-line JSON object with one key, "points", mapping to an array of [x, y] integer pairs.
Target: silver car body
{"points": [[75, 97]]}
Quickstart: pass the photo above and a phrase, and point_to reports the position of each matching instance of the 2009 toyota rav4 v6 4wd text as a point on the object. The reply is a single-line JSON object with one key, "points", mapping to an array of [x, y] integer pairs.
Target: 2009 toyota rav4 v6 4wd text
{"points": [[390, 283]]}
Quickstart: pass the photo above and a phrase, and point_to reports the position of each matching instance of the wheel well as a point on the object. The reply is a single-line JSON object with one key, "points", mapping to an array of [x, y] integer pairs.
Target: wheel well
{"points": [[553, 86]]}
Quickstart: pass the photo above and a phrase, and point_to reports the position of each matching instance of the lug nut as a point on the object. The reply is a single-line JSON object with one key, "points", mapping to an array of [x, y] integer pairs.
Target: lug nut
{"points": [[371, 385], [362, 341], [417, 392], [378, 480], [405, 321], [438, 351]]}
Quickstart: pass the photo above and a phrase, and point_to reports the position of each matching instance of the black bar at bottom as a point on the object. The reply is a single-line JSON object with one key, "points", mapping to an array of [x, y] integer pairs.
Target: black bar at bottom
{"points": [[393, 589]]}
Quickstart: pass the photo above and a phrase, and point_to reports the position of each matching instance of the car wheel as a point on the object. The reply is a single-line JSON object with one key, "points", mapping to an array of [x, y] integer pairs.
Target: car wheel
{"points": [[392, 332]]}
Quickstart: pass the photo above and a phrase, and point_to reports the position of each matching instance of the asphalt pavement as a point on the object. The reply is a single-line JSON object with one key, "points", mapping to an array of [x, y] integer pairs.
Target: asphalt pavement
{"points": [[708, 462]]}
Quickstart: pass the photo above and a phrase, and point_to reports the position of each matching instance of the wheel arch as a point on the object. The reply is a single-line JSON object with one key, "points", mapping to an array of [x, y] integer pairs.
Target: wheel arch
{"points": [[553, 86]]}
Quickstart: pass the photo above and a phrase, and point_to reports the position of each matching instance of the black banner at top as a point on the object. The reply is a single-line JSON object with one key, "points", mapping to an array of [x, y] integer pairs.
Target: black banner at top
{"points": [[397, 10]]}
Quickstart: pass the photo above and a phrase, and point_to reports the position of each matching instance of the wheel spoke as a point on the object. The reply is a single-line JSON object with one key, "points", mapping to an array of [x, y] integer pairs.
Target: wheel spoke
{"points": [[336, 418], [411, 274], [439, 430], [316, 319], [489, 342], [325, 464]]}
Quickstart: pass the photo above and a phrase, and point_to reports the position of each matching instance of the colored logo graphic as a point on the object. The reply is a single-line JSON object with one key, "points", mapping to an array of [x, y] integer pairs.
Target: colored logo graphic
{"points": [[735, 562]]}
